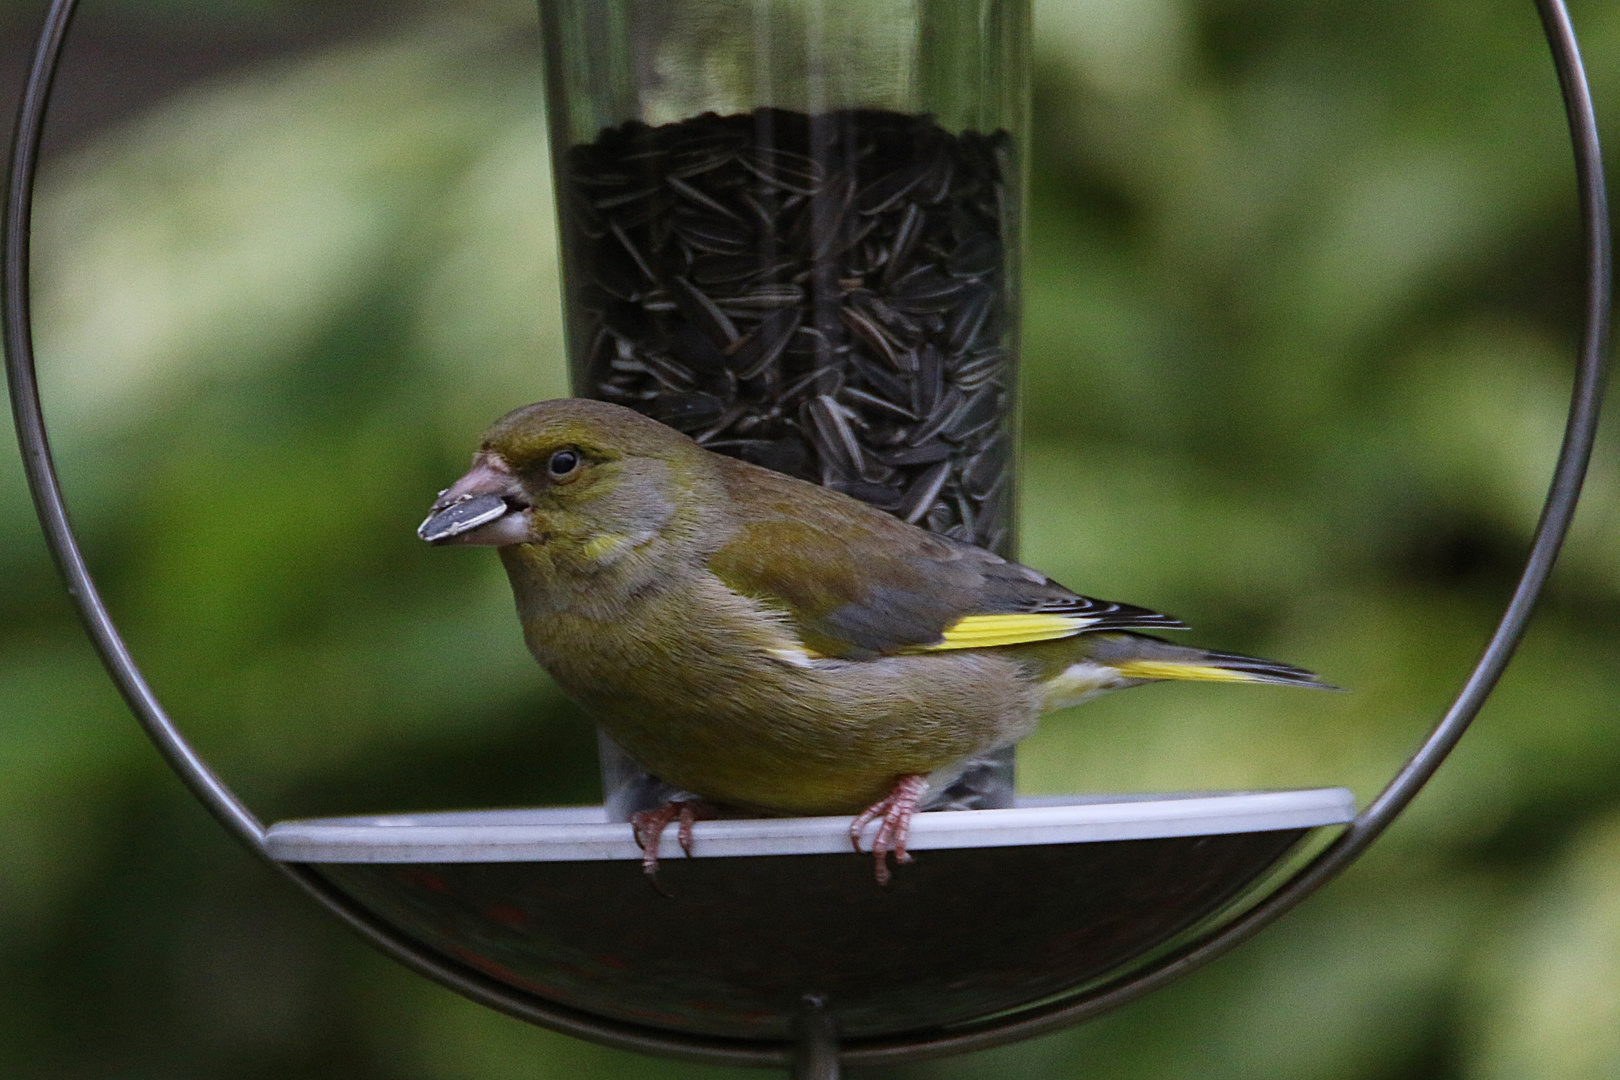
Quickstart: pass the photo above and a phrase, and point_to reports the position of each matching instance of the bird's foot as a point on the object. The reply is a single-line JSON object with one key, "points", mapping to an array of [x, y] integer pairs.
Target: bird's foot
{"points": [[649, 825], [893, 815]]}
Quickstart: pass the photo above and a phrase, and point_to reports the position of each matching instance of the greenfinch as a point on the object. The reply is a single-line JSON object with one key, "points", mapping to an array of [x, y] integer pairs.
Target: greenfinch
{"points": [[774, 646]]}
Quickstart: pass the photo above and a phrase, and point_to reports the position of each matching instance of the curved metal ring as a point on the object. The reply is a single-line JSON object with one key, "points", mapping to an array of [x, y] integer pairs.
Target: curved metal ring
{"points": [[240, 822]]}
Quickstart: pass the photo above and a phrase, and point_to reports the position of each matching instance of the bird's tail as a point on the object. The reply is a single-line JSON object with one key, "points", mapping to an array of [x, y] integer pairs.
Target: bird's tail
{"points": [[1140, 657]]}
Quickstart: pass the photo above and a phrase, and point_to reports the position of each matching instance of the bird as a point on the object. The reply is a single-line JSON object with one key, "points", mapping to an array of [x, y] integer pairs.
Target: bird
{"points": [[775, 647]]}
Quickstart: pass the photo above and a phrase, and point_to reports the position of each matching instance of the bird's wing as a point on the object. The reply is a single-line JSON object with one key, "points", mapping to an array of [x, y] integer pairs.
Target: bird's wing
{"points": [[855, 582]]}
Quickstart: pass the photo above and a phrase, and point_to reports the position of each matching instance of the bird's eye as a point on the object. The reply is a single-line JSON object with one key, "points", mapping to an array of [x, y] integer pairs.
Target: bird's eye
{"points": [[563, 462]]}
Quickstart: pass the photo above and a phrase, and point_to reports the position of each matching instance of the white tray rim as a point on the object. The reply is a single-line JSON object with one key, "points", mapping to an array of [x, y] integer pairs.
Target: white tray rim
{"points": [[583, 833]]}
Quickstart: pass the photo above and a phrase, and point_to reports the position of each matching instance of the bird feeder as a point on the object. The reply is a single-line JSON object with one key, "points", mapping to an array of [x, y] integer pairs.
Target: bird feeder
{"points": [[791, 229]]}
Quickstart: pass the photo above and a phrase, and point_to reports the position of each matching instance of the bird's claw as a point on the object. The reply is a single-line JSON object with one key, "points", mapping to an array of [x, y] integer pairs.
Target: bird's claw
{"points": [[893, 814], [648, 828]]}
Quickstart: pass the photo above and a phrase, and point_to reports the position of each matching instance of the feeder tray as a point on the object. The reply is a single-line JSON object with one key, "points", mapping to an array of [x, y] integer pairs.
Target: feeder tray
{"points": [[1000, 907], [1010, 922]]}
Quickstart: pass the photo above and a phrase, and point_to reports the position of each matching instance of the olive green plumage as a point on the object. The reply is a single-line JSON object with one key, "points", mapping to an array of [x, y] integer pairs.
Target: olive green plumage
{"points": [[770, 644]]}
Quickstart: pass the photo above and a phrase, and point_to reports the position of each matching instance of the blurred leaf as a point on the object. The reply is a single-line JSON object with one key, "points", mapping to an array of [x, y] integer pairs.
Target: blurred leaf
{"points": [[1547, 1004]]}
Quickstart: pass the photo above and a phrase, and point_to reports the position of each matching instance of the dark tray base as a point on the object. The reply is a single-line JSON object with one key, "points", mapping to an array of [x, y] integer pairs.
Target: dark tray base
{"points": [[735, 945]]}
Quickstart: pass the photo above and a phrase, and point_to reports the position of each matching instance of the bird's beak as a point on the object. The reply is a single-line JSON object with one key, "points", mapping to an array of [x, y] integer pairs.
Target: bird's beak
{"points": [[485, 508]]}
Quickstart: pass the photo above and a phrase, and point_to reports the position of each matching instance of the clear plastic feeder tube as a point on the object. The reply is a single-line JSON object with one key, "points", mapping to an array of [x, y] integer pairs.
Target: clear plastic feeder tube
{"points": [[791, 229]]}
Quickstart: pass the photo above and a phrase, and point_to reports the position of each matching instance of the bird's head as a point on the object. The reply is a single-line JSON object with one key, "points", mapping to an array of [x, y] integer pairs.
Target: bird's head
{"points": [[585, 479]]}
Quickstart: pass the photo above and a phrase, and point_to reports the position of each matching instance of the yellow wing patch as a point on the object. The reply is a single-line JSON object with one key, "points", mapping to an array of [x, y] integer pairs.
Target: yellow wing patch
{"points": [[1161, 669], [988, 631], [603, 546]]}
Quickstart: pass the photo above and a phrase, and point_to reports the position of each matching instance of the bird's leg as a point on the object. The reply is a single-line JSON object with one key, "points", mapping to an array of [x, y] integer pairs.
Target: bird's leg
{"points": [[649, 825], [893, 815]]}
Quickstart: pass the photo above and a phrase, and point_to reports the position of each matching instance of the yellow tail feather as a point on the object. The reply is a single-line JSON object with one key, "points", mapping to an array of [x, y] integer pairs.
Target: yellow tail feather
{"points": [[1168, 669], [989, 631]]}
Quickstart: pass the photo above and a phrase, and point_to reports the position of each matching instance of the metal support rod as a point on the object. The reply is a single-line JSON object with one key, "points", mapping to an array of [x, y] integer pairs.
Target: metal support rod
{"points": [[817, 1047]]}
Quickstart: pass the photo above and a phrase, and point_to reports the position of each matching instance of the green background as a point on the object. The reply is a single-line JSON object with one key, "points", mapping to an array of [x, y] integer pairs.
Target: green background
{"points": [[1303, 296]]}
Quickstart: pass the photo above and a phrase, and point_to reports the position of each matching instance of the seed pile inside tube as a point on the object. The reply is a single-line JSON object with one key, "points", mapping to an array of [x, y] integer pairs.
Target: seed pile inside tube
{"points": [[822, 295]]}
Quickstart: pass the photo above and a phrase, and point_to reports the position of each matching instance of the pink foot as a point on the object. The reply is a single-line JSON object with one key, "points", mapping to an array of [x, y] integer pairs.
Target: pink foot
{"points": [[893, 815], [649, 825]]}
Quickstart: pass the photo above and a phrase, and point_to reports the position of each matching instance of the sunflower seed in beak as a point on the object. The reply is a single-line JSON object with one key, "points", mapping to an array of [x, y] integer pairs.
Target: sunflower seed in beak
{"points": [[462, 516]]}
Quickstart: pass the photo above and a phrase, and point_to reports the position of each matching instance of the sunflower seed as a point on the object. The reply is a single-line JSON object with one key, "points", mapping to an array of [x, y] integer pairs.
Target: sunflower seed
{"points": [[686, 412], [670, 374], [964, 514], [788, 454], [462, 516], [926, 289], [936, 188], [929, 384], [926, 454], [830, 430], [693, 194], [622, 198], [943, 416], [976, 256], [781, 169], [881, 496], [696, 349], [982, 471], [874, 335], [905, 238], [968, 319], [923, 491], [714, 270], [702, 311], [979, 411], [882, 404], [700, 160], [972, 369], [766, 297], [886, 191], [629, 248], [716, 236], [880, 378], [760, 349]]}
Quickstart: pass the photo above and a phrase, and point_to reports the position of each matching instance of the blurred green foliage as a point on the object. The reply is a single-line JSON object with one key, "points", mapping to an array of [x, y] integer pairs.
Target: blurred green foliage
{"points": [[1303, 293]]}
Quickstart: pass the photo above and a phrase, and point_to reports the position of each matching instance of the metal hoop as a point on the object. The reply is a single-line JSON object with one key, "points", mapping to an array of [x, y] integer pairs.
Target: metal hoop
{"points": [[240, 822]]}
